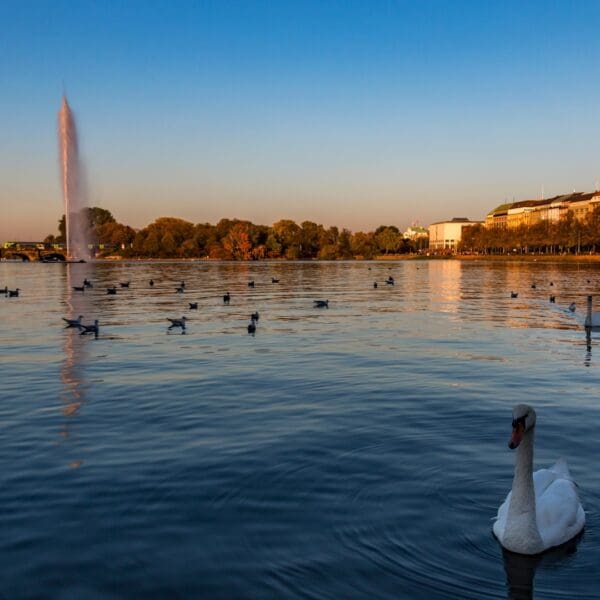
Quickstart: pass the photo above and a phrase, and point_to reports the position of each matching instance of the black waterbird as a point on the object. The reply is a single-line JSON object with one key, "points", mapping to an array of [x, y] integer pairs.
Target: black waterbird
{"points": [[73, 322], [177, 322], [85, 329]]}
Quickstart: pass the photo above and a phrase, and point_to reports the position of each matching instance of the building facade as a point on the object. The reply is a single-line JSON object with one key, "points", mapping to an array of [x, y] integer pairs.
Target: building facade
{"points": [[445, 236], [531, 212], [415, 232]]}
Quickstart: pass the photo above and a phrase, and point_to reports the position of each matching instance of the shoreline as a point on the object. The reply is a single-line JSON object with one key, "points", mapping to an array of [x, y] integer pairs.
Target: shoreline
{"points": [[577, 258]]}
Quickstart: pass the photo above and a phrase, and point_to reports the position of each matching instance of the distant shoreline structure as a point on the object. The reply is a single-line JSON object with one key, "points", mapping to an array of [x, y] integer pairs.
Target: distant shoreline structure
{"points": [[426, 257], [562, 225]]}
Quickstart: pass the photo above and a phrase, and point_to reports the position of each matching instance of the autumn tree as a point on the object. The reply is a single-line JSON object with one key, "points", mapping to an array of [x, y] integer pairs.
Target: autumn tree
{"points": [[237, 242], [287, 235], [310, 234], [328, 240], [115, 234], [363, 245], [164, 238], [344, 245]]}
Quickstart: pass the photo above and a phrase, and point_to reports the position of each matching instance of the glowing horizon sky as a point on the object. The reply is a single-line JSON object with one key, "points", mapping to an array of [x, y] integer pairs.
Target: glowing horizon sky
{"points": [[353, 114]]}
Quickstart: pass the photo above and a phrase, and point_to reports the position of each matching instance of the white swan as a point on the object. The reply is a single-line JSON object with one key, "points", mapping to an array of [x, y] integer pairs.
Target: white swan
{"points": [[542, 510], [592, 319]]}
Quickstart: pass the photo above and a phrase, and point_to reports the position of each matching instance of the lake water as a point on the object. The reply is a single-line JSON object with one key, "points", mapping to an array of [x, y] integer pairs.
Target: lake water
{"points": [[355, 451]]}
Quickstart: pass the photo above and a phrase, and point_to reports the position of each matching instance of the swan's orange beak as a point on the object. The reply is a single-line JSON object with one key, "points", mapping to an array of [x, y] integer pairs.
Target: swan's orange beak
{"points": [[517, 435]]}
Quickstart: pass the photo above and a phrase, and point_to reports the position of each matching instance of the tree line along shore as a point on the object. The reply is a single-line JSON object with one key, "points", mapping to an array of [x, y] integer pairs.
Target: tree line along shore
{"points": [[235, 239]]}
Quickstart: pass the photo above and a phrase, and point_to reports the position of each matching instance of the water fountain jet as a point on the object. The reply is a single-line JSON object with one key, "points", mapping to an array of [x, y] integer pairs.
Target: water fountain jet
{"points": [[77, 231]]}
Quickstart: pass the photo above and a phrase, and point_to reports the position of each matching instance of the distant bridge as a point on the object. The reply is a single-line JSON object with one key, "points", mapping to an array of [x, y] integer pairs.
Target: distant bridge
{"points": [[31, 251]]}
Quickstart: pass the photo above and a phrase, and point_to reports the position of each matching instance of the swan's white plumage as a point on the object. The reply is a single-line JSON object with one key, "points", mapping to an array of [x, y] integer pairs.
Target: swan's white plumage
{"points": [[559, 515]]}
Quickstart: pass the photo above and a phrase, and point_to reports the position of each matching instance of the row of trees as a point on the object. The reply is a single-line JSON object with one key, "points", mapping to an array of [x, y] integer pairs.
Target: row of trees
{"points": [[568, 235], [234, 239]]}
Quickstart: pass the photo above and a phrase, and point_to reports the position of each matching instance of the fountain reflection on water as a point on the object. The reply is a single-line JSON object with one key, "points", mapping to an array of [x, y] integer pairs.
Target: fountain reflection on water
{"points": [[75, 352]]}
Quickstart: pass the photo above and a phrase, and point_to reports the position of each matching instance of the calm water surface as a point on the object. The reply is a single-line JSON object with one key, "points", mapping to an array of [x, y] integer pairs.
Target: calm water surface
{"points": [[350, 452]]}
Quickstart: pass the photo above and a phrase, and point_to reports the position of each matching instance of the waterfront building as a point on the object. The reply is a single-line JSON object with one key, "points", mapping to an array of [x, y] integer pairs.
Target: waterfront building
{"points": [[445, 236], [552, 210], [584, 205], [415, 232]]}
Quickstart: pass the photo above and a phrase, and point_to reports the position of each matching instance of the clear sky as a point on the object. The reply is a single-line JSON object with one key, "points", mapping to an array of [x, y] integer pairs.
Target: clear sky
{"points": [[346, 113]]}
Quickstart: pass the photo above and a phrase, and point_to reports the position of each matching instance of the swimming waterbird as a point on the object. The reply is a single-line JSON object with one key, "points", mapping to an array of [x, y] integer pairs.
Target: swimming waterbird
{"points": [[73, 322], [177, 322], [85, 329]]}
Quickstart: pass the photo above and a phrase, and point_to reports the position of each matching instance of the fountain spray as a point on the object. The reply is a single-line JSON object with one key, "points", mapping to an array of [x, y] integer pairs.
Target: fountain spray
{"points": [[77, 232]]}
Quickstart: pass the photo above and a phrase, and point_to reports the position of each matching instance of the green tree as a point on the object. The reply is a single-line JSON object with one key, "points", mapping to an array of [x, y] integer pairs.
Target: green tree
{"points": [[363, 245], [114, 234], [388, 239], [98, 216], [164, 238], [344, 244], [62, 230], [309, 239]]}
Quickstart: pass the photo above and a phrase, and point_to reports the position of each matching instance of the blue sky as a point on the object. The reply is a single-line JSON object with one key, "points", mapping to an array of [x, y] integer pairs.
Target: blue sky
{"points": [[346, 113]]}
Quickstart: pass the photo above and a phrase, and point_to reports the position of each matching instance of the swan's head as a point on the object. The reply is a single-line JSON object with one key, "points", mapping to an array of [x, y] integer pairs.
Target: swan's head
{"points": [[523, 421]]}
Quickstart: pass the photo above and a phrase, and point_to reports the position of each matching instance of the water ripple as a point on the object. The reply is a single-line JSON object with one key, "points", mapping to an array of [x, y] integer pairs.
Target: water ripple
{"points": [[353, 451]]}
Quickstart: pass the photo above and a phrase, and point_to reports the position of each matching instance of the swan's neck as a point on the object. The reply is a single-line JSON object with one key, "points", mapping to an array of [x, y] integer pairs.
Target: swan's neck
{"points": [[521, 523], [523, 495]]}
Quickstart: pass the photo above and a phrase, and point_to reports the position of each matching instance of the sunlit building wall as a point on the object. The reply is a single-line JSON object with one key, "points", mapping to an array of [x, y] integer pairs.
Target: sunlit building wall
{"points": [[531, 212], [446, 235]]}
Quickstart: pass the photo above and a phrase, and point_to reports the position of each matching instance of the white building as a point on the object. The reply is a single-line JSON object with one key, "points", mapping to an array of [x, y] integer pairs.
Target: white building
{"points": [[446, 235], [414, 232]]}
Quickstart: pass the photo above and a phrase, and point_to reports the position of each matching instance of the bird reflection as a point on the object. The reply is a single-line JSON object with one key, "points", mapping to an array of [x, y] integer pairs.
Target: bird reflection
{"points": [[520, 569], [588, 347]]}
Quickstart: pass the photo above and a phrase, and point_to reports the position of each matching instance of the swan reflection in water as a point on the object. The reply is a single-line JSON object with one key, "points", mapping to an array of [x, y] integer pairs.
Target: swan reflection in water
{"points": [[520, 569]]}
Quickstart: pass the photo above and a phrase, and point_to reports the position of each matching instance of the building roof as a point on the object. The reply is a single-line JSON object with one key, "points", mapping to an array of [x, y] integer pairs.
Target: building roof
{"points": [[502, 209], [456, 220]]}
